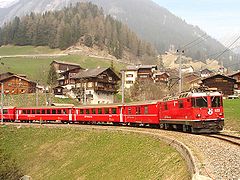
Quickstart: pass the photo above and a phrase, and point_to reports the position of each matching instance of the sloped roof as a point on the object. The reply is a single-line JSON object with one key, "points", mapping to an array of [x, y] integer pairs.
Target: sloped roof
{"points": [[137, 67], [3, 79], [218, 75], [88, 73], [233, 74], [67, 63]]}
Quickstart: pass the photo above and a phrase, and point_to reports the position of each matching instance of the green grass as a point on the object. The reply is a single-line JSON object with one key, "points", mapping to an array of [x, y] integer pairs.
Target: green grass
{"points": [[26, 50], [232, 114], [71, 153], [37, 68]]}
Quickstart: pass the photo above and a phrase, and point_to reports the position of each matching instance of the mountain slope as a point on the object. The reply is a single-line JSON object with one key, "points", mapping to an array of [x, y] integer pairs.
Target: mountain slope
{"points": [[152, 22]]}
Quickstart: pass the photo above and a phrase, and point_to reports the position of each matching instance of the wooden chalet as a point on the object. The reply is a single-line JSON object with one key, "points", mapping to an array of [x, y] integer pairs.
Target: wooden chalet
{"points": [[98, 85], [162, 77], [14, 84], [66, 78], [223, 83], [146, 71], [236, 76], [61, 66]]}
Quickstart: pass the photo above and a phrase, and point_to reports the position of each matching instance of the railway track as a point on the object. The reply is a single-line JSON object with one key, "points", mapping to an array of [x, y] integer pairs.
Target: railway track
{"points": [[235, 140]]}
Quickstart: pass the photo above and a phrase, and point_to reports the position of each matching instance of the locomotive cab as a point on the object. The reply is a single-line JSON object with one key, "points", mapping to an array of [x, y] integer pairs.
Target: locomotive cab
{"points": [[207, 111]]}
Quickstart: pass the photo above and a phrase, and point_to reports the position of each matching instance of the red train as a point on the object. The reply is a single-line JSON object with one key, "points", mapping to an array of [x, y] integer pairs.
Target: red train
{"points": [[195, 112]]}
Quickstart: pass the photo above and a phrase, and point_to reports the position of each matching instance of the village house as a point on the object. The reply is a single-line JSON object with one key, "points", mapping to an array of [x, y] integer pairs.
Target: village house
{"points": [[236, 76], [206, 73], [161, 77], [96, 86], [14, 84], [138, 72], [61, 66], [223, 83], [66, 78]]}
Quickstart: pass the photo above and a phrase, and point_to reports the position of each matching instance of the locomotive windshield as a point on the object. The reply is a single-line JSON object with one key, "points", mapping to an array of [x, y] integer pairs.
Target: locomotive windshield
{"points": [[216, 101], [199, 102]]}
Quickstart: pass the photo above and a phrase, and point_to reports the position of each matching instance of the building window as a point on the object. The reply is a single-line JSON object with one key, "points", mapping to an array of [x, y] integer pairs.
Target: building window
{"points": [[129, 82], [90, 84], [129, 75]]}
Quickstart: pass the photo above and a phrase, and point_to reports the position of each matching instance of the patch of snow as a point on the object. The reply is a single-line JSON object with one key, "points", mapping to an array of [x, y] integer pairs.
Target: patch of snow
{"points": [[7, 3]]}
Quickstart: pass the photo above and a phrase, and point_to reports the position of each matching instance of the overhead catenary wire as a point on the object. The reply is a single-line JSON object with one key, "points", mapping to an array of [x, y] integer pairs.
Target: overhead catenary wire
{"points": [[224, 51], [202, 36]]}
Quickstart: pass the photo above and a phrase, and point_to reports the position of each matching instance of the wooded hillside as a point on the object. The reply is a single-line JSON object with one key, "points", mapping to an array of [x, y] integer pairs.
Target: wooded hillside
{"points": [[84, 23]]}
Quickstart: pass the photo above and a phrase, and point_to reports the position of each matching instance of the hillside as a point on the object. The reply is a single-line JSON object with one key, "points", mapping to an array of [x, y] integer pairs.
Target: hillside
{"points": [[83, 24], [72, 153], [36, 67], [152, 22]]}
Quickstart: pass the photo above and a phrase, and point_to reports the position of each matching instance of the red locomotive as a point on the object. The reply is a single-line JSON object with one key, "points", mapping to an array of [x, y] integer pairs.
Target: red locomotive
{"points": [[195, 112]]}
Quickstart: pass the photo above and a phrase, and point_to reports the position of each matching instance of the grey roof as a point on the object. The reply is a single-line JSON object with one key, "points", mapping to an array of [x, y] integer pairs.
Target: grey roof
{"points": [[137, 67], [89, 73], [67, 63]]}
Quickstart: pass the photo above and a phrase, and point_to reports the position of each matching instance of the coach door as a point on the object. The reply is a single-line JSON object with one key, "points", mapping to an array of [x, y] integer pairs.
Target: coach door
{"points": [[70, 115]]}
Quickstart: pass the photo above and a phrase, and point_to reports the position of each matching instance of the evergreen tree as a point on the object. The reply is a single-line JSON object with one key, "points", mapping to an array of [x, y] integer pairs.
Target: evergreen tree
{"points": [[52, 77]]}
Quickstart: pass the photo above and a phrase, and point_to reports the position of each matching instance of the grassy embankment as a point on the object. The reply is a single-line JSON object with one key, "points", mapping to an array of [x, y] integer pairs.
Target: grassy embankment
{"points": [[232, 114], [37, 68], [71, 153]]}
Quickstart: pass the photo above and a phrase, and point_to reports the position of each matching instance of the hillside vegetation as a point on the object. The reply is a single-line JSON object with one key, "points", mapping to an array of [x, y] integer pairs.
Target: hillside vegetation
{"points": [[71, 153], [84, 23]]}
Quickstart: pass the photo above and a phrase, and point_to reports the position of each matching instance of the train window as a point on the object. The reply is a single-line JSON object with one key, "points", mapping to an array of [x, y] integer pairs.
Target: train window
{"points": [[138, 110], [87, 111], [24, 111], [64, 111], [5, 111], [145, 109], [99, 111], [201, 102], [216, 101], [54, 111], [59, 111], [28, 111], [165, 106], [33, 111], [114, 110], [93, 111], [48, 111], [180, 103], [43, 111], [81, 111], [106, 110], [38, 111]]}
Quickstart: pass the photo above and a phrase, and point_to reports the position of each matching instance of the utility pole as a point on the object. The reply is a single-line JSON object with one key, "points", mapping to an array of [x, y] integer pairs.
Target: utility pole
{"points": [[37, 94], [123, 86], [180, 52], [2, 92]]}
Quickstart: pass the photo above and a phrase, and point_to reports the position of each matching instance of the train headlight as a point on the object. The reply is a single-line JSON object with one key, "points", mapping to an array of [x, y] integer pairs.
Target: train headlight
{"points": [[198, 115], [220, 114]]}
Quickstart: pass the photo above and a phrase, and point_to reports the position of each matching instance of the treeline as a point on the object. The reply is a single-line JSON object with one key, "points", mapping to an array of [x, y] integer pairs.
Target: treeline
{"points": [[84, 23]]}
